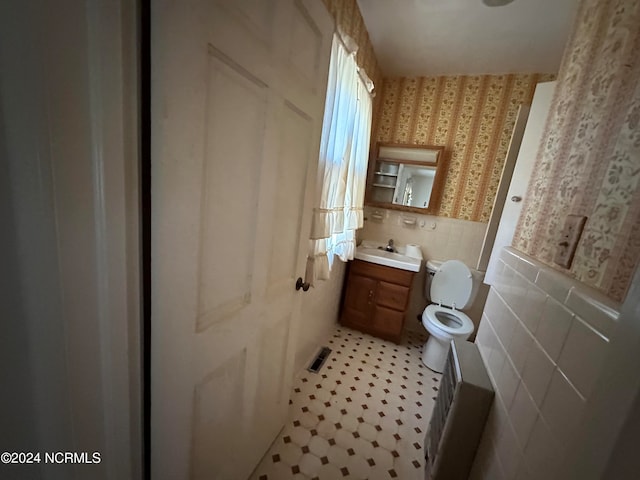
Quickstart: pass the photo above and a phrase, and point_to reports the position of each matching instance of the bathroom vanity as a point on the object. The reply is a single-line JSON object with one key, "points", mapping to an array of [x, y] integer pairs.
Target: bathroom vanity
{"points": [[376, 299]]}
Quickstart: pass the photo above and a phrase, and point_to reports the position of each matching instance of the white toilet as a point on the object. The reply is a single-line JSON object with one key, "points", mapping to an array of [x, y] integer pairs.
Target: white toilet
{"points": [[451, 287]]}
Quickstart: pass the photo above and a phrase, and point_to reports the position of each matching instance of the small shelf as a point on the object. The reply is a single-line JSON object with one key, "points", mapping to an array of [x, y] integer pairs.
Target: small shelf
{"points": [[386, 174], [384, 186]]}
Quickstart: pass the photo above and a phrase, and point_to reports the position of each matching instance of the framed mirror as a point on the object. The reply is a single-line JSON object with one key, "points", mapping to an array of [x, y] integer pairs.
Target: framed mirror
{"points": [[405, 177]]}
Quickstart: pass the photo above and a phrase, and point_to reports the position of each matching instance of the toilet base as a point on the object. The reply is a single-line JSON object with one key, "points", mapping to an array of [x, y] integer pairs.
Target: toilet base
{"points": [[434, 353]]}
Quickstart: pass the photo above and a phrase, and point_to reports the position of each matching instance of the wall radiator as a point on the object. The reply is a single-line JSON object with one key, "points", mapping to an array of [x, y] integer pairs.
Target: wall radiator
{"points": [[459, 414]]}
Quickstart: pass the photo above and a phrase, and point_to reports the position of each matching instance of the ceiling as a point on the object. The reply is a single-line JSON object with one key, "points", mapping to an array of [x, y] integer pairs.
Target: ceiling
{"points": [[465, 37]]}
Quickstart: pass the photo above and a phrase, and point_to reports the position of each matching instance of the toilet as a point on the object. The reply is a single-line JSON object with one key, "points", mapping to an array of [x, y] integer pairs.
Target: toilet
{"points": [[452, 287]]}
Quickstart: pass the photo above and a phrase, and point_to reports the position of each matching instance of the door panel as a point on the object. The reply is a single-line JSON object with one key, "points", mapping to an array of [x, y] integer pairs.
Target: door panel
{"points": [[235, 142], [293, 158], [214, 403], [257, 15], [305, 47], [272, 395]]}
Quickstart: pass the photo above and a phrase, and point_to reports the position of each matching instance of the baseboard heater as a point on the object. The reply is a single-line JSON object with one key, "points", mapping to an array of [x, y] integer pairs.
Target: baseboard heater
{"points": [[459, 414]]}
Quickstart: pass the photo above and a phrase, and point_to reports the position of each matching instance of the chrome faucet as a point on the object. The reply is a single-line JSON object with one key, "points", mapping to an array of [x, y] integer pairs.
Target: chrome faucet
{"points": [[390, 247]]}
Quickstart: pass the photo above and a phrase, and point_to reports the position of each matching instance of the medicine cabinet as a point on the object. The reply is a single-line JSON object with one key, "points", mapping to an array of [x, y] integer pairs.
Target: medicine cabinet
{"points": [[405, 177]]}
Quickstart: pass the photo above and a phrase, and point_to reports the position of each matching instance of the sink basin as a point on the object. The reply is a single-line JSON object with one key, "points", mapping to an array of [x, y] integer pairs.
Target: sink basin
{"points": [[389, 259]]}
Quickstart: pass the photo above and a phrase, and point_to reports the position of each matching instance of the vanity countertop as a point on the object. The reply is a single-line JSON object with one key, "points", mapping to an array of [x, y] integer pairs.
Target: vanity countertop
{"points": [[371, 252]]}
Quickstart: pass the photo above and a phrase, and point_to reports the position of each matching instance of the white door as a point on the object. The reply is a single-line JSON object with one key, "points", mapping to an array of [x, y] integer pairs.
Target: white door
{"points": [[238, 93], [522, 172]]}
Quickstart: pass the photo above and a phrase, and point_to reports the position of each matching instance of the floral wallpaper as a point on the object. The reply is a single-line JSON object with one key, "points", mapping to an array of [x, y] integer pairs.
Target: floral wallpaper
{"points": [[589, 160], [348, 17], [472, 116]]}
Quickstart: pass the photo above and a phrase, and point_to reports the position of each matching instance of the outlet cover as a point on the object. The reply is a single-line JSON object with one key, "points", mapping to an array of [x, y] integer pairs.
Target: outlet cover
{"points": [[566, 249]]}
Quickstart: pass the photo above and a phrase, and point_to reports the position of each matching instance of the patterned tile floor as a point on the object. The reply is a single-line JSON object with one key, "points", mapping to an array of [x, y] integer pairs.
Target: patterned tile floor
{"points": [[364, 415]]}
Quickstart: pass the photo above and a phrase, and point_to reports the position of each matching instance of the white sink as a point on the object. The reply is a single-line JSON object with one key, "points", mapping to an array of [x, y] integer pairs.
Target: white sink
{"points": [[389, 259]]}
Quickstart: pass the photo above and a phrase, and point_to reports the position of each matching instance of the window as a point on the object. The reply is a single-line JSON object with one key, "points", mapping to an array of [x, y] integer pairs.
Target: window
{"points": [[342, 164]]}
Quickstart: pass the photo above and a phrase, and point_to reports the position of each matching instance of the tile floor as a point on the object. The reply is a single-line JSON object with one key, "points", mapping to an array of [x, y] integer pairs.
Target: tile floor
{"points": [[364, 415]]}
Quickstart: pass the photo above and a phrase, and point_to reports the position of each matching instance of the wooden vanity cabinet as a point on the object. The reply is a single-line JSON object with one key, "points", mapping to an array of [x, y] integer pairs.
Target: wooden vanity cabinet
{"points": [[376, 299]]}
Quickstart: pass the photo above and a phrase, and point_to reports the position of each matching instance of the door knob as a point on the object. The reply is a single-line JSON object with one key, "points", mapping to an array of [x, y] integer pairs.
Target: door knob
{"points": [[302, 285]]}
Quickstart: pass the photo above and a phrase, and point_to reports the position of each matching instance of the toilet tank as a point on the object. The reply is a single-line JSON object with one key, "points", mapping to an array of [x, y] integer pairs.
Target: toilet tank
{"points": [[434, 265]]}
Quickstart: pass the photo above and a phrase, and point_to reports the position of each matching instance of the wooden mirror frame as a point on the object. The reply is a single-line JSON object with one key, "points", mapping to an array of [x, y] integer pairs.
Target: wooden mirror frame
{"points": [[438, 181]]}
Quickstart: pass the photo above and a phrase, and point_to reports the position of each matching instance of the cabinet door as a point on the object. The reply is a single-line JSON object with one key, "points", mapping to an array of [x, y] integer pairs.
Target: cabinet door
{"points": [[359, 299], [392, 296], [388, 323]]}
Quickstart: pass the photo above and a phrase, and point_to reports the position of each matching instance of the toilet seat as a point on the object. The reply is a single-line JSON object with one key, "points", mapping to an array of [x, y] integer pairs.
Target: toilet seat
{"points": [[431, 316]]}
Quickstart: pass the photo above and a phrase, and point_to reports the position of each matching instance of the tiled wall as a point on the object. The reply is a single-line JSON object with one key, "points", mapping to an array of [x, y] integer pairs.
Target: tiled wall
{"points": [[450, 239], [472, 116], [589, 160], [441, 238], [543, 337]]}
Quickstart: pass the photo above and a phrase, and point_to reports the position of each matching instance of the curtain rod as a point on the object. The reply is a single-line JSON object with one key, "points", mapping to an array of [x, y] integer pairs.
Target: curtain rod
{"points": [[362, 74]]}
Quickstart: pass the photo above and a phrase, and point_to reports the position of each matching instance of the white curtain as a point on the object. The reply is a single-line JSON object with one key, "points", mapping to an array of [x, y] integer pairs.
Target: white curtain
{"points": [[342, 166]]}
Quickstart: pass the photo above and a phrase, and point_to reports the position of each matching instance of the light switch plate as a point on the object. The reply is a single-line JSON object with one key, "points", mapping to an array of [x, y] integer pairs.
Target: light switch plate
{"points": [[566, 249]]}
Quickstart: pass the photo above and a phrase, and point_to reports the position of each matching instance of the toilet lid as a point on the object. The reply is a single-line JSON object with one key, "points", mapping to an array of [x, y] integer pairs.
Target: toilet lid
{"points": [[452, 284]]}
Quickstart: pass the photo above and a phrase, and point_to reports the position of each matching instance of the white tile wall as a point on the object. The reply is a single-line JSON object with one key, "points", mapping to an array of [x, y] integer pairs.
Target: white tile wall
{"points": [[532, 310], [553, 327], [543, 337], [562, 407], [519, 346], [537, 372], [523, 414], [542, 454], [574, 363], [450, 239]]}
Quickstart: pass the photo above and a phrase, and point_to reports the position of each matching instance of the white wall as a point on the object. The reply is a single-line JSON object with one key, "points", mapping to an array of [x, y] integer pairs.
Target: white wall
{"points": [[319, 315], [68, 139]]}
